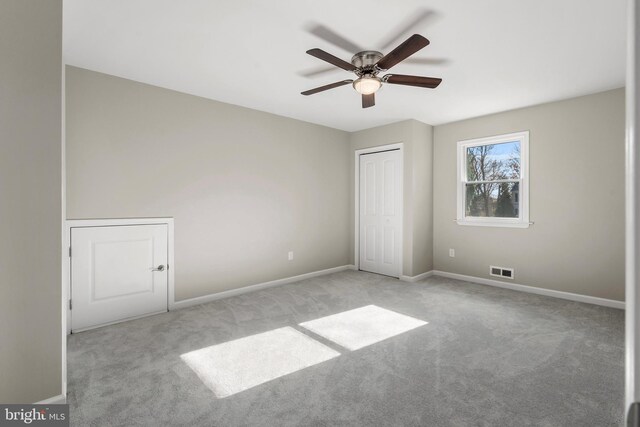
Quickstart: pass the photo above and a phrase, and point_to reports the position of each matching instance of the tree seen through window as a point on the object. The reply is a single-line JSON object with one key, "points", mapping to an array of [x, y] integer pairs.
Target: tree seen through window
{"points": [[493, 180]]}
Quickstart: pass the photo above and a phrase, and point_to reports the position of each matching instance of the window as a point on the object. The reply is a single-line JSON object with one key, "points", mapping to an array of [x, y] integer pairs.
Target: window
{"points": [[493, 184]]}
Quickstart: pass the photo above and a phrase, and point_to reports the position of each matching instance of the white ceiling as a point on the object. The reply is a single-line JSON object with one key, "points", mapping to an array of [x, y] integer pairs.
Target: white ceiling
{"points": [[502, 54]]}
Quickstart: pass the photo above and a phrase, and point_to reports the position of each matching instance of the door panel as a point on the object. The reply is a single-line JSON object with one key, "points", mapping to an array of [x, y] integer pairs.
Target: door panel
{"points": [[389, 247], [370, 243], [112, 273], [370, 188], [389, 184], [380, 212]]}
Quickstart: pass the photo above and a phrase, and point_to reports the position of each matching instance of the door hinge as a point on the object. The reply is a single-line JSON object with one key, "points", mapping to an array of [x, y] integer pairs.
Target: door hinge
{"points": [[69, 251], [70, 305]]}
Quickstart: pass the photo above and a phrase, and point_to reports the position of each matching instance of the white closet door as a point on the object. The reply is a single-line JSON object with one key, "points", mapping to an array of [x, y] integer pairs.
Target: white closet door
{"points": [[380, 212], [117, 273]]}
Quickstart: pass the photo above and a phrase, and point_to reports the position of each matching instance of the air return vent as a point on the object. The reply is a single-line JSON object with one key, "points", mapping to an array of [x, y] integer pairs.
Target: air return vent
{"points": [[503, 272]]}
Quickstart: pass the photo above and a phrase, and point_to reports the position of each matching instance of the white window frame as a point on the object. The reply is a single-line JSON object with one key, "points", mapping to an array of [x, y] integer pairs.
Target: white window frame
{"points": [[523, 219]]}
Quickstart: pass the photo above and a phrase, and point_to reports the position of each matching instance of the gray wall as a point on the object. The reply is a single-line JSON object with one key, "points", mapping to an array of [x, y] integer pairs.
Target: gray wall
{"points": [[245, 187], [576, 198], [30, 199], [418, 186]]}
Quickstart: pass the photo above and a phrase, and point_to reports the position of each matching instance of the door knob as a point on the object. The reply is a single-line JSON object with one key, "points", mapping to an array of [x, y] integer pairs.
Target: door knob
{"points": [[158, 268]]}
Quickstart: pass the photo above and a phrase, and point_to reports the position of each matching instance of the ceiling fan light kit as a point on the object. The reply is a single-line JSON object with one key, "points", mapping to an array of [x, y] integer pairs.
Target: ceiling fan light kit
{"points": [[367, 85], [366, 65]]}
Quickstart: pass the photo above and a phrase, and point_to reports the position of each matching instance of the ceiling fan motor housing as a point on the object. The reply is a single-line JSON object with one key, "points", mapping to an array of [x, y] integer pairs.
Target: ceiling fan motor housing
{"points": [[365, 61]]}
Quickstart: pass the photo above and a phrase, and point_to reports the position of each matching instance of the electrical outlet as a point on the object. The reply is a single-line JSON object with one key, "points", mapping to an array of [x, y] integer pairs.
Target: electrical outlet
{"points": [[291, 256], [452, 253]]}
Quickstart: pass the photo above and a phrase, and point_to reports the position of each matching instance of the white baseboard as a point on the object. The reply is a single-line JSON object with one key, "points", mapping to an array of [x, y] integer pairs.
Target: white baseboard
{"points": [[533, 290], [416, 278], [115, 322], [252, 288], [55, 400]]}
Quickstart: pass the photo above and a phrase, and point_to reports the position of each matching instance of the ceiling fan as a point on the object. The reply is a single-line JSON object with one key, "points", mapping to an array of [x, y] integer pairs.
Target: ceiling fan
{"points": [[366, 65]]}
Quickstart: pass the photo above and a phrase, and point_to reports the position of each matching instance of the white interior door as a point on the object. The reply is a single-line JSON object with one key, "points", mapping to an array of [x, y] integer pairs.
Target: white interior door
{"points": [[381, 212], [117, 272]]}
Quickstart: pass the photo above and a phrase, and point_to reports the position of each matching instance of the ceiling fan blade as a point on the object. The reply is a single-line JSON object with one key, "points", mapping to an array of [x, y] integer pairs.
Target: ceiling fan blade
{"points": [[334, 38], [326, 87], [321, 54], [408, 25], [399, 79], [402, 52], [368, 100], [427, 61], [313, 72]]}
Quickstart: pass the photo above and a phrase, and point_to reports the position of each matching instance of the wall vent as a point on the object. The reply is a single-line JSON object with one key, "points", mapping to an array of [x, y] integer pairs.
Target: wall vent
{"points": [[503, 272]]}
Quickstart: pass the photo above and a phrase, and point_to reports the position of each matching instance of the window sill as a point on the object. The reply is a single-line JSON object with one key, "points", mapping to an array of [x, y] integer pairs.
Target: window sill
{"points": [[505, 224]]}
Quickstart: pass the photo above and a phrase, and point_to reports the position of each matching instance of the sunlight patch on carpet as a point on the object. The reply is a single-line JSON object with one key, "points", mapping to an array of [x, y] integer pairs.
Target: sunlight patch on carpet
{"points": [[238, 365], [362, 326]]}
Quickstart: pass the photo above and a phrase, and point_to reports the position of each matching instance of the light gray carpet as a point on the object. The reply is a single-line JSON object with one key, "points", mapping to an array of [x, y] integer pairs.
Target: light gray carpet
{"points": [[486, 357]]}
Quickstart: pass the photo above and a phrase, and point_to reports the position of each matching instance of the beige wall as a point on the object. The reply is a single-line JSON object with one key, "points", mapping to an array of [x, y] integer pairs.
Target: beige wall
{"points": [[30, 200], [417, 187], [422, 164], [576, 198], [245, 187]]}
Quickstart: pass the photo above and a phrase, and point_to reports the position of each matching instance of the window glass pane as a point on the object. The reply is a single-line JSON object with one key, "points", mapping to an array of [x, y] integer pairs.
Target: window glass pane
{"points": [[493, 161], [496, 199]]}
